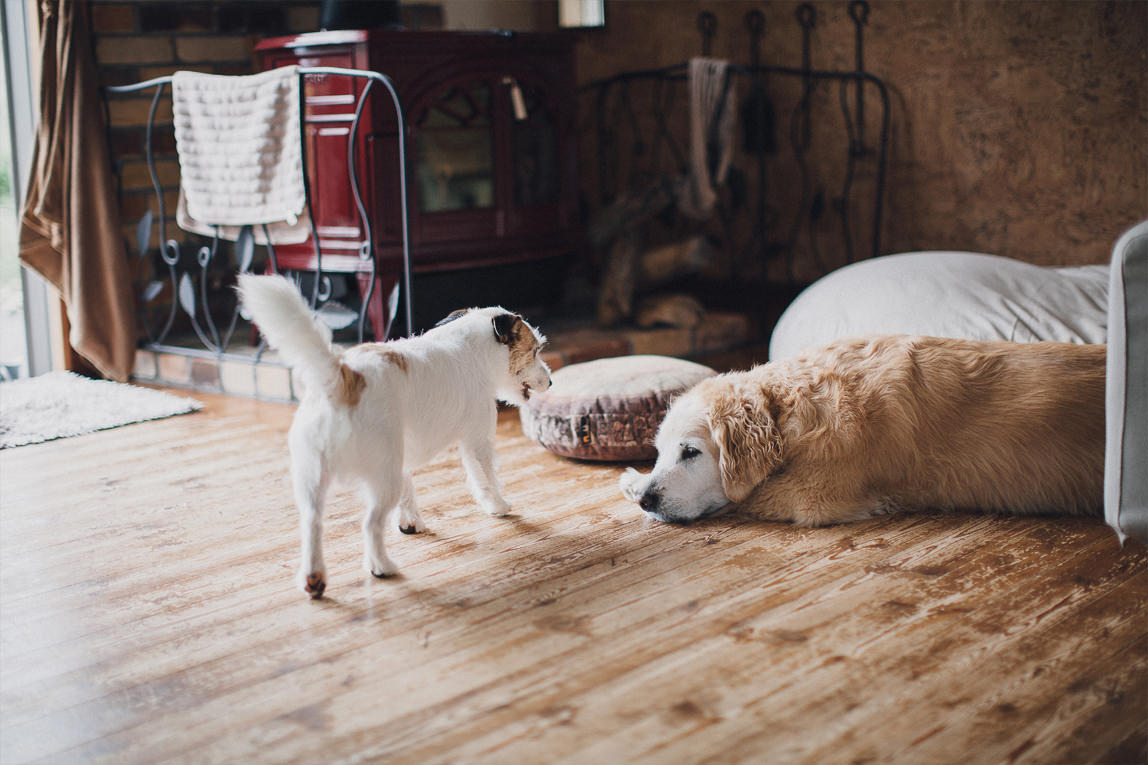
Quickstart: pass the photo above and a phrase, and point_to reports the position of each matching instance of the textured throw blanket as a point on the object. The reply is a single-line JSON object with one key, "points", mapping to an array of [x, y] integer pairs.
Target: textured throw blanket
{"points": [[709, 159], [240, 155]]}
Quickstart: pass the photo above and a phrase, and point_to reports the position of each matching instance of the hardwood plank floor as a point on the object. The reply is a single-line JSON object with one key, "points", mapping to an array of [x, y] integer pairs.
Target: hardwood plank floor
{"points": [[147, 613]]}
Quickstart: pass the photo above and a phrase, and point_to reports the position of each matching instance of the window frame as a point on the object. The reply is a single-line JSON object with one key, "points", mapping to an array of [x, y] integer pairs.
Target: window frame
{"points": [[17, 26]]}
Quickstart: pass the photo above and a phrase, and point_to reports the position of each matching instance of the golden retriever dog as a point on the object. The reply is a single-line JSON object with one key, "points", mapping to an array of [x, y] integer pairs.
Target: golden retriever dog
{"points": [[874, 425]]}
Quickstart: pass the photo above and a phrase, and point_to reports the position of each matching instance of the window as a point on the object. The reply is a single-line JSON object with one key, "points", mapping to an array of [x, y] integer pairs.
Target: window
{"points": [[24, 304]]}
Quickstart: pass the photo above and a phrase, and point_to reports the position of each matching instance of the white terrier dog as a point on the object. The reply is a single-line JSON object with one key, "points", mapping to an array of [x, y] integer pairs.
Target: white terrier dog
{"points": [[377, 411]]}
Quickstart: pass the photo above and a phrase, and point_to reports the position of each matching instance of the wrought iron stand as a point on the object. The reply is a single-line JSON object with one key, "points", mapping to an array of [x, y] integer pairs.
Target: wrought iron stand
{"points": [[194, 300]]}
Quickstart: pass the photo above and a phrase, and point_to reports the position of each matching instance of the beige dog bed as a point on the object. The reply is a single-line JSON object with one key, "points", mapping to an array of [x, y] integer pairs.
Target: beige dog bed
{"points": [[608, 409]]}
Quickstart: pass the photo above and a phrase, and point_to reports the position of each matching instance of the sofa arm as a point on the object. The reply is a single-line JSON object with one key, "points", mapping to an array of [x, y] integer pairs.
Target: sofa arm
{"points": [[1126, 410]]}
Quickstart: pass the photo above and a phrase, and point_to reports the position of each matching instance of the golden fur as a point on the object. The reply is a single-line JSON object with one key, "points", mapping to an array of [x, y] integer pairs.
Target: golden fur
{"points": [[870, 425]]}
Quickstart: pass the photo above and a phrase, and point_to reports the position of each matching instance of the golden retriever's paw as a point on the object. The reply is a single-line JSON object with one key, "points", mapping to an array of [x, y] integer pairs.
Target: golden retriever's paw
{"points": [[411, 522], [313, 583], [632, 484]]}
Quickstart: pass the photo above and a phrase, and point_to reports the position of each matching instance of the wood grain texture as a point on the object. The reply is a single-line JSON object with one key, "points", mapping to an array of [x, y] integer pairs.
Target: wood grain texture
{"points": [[148, 613]]}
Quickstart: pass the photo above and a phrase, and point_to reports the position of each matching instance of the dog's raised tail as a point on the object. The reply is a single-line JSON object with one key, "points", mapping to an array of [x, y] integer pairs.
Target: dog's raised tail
{"points": [[291, 327]]}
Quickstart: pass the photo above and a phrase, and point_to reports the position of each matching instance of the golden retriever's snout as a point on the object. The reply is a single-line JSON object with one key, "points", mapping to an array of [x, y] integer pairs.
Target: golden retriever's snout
{"points": [[650, 500]]}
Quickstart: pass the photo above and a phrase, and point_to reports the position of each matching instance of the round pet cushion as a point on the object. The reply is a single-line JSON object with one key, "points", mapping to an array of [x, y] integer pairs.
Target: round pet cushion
{"points": [[947, 294], [608, 409]]}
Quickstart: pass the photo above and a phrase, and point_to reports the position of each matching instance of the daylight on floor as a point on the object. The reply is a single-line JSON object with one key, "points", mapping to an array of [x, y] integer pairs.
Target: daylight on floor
{"points": [[574, 381]]}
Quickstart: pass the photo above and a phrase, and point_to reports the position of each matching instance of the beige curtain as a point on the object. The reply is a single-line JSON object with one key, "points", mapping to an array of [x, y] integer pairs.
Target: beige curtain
{"points": [[70, 230]]}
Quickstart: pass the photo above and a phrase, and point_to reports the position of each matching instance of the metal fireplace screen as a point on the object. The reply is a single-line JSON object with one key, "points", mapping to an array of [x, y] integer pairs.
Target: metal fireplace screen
{"points": [[808, 179]]}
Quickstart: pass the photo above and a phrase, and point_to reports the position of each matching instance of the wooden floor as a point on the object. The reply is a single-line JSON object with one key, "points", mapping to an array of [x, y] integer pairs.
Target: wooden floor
{"points": [[148, 614]]}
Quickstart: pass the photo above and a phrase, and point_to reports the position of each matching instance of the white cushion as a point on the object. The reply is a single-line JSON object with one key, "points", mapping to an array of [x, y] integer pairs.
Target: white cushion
{"points": [[948, 294]]}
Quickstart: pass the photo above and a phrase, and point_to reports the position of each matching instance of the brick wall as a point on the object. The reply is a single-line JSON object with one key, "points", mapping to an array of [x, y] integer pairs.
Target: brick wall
{"points": [[135, 41]]}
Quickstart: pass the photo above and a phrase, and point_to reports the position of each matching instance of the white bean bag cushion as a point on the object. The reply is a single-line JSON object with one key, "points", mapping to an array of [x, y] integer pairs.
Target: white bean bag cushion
{"points": [[948, 294]]}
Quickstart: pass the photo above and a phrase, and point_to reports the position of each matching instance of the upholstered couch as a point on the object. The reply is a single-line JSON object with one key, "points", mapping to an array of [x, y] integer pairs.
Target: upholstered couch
{"points": [[987, 297]]}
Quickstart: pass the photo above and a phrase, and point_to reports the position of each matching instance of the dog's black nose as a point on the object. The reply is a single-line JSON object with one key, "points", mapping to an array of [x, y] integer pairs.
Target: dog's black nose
{"points": [[649, 501]]}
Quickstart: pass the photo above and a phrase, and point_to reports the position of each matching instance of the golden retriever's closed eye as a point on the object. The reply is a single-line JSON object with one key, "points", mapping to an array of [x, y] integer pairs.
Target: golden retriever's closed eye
{"points": [[869, 425]]}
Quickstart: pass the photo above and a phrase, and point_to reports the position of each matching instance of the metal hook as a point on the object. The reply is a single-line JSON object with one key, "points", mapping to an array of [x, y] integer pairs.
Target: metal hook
{"points": [[806, 16], [707, 25], [755, 23]]}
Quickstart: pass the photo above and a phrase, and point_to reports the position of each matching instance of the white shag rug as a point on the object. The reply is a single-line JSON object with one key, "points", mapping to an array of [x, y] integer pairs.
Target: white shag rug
{"points": [[62, 404]]}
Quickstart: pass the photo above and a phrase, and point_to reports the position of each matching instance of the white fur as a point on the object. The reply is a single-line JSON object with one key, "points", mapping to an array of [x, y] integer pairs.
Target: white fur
{"points": [[378, 411], [689, 487]]}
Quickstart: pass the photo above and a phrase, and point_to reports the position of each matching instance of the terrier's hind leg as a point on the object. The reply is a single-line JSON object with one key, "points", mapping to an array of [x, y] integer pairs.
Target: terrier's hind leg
{"points": [[381, 494], [311, 482], [410, 520]]}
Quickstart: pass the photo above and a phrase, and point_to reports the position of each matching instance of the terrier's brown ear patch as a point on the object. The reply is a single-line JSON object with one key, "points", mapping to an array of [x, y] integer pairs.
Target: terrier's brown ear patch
{"points": [[504, 324]]}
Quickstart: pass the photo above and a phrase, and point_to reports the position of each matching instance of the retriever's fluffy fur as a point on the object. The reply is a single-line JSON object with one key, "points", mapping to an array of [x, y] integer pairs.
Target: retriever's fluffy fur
{"points": [[870, 425], [377, 411]]}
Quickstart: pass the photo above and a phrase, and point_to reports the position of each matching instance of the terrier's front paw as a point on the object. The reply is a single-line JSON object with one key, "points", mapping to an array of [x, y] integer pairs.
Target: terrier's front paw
{"points": [[497, 508], [380, 566], [411, 522], [313, 583]]}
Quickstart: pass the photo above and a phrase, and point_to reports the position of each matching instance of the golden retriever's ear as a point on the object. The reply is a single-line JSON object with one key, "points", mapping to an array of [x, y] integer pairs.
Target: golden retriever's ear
{"points": [[742, 426]]}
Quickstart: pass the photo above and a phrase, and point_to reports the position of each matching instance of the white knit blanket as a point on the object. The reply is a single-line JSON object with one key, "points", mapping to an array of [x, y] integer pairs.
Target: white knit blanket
{"points": [[240, 156]]}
